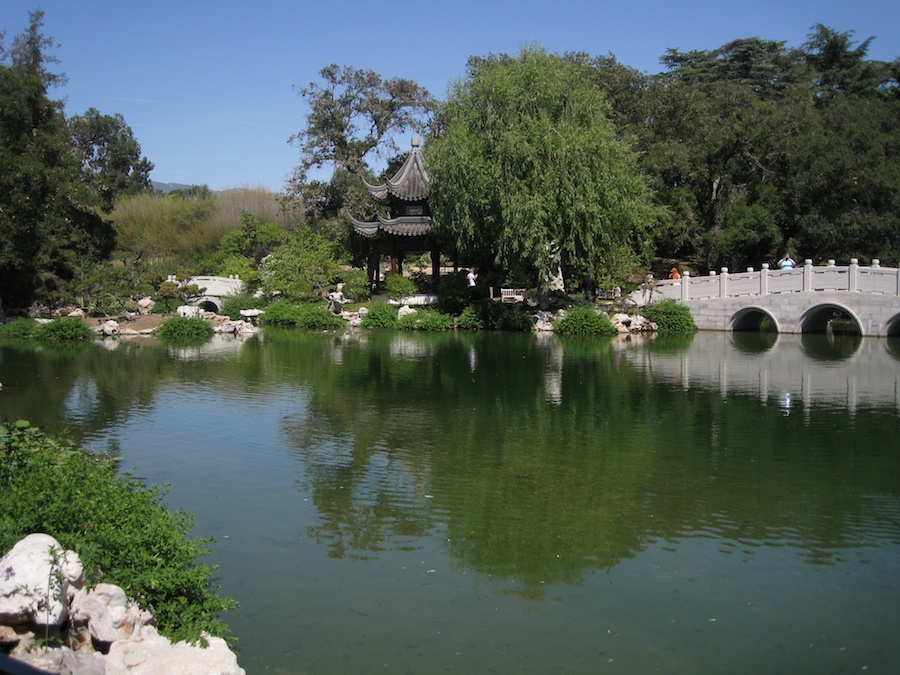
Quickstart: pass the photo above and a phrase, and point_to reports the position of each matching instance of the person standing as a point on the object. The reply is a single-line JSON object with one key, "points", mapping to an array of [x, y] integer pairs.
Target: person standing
{"points": [[787, 262], [471, 276]]}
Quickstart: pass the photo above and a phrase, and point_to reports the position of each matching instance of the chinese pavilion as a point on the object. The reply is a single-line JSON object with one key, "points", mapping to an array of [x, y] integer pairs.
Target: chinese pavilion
{"points": [[408, 228]]}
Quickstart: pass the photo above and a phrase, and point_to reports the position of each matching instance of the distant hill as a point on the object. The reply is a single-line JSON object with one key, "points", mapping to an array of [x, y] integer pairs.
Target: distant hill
{"points": [[168, 187]]}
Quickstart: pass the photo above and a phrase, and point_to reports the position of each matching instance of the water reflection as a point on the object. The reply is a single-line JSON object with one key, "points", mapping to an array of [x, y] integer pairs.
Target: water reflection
{"points": [[520, 464]]}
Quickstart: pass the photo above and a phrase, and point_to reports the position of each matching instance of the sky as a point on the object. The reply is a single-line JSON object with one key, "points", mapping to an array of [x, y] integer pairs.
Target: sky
{"points": [[210, 88]]}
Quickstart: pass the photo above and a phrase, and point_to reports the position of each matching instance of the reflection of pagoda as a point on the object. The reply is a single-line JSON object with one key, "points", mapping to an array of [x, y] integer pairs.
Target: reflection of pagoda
{"points": [[409, 226]]}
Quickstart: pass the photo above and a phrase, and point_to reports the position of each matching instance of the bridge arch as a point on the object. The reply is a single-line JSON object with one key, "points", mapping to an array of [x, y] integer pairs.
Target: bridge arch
{"points": [[754, 318], [816, 319], [892, 329], [209, 302]]}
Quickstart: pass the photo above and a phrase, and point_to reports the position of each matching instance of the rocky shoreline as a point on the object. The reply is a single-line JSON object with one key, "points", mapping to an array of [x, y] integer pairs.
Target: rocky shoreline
{"points": [[94, 630]]}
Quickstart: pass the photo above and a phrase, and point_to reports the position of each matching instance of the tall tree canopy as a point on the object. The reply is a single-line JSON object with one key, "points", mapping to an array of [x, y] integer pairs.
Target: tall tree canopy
{"points": [[355, 114], [757, 148], [48, 226], [110, 156], [525, 163]]}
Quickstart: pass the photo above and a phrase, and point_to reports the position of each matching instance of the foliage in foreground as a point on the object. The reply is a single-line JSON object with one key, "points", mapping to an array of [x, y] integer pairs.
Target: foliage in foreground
{"points": [[671, 316], [584, 320], [180, 328], [493, 315], [62, 330], [380, 315], [286, 314], [18, 328], [426, 319], [59, 330], [117, 526]]}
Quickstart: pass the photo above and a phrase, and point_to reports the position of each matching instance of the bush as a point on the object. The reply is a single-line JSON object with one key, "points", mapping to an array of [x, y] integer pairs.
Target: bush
{"points": [[426, 319], [59, 330], [397, 286], [356, 286], [18, 328], [181, 329], [670, 316], [584, 320], [233, 304], [470, 319], [286, 314], [115, 524], [455, 294], [380, 315], [493, 315]]}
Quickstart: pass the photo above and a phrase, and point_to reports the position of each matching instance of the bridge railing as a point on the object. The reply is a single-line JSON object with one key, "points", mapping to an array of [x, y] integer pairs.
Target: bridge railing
{"points": [[851, 278]]}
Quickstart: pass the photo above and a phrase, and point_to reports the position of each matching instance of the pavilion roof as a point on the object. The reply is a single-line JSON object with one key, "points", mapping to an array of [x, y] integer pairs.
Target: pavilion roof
{"points": [[404, 226], [411, 183]]}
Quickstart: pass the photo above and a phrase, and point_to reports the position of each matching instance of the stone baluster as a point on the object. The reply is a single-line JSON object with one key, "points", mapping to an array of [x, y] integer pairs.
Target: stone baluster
{"points": [[764, 279], [723, 283], [853, 276], [807, 274], [685, 285]]}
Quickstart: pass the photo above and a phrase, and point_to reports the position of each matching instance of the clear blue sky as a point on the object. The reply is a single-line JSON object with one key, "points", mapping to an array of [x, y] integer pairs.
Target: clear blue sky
{"points": [[209, 87]]}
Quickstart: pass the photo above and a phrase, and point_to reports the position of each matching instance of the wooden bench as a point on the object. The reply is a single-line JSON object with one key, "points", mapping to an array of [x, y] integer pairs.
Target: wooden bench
{"points": [[512, 294]]}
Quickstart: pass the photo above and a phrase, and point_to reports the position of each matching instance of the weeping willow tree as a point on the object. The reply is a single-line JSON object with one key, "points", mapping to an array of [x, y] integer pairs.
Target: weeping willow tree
{"points": [[526, 165]]}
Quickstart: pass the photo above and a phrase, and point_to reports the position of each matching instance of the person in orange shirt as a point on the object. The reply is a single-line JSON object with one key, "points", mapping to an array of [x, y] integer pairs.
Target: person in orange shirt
{"points": [[673, 273]]}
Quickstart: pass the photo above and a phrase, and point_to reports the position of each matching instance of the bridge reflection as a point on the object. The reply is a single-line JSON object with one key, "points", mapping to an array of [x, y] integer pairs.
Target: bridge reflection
{"points": [[845, 371]]}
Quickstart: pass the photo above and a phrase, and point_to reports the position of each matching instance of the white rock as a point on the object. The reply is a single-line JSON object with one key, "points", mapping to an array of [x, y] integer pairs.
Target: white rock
{"points": [[108, 613], [148, 653], [404, 310], [189, 312], [38, 577], [108, 328]]}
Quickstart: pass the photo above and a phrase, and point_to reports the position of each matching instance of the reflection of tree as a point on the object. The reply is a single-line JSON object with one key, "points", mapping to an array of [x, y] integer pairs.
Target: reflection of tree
{"points": [[541, 493], [453, 436], [86, 388]]}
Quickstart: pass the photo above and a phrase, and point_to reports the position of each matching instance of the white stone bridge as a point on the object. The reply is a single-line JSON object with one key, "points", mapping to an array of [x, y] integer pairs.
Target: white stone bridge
{"points": [[214, 290], [800, 300]]}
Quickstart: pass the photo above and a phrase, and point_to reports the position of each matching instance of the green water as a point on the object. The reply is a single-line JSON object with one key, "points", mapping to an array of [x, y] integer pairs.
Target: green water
{"points": [[395, 502]]}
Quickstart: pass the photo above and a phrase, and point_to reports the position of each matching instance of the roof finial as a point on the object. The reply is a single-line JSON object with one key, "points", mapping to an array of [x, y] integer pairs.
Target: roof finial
{"points": [[416, 141]]}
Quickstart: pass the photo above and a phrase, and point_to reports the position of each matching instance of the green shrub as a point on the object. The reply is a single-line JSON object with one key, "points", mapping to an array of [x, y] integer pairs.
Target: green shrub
{"points": [[58, 330], [180, 329], [356, 286], [397, 286], [515, 319], [18, 328], [426, 319], [287, 314], [116, 524], [470, 319], [380, 315], [455, 294], [492, 315], [670, 316], [584, 320], [233, 304]]}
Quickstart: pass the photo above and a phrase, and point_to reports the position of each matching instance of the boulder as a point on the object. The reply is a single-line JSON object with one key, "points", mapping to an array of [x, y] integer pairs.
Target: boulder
{"points": [[189, 312], [38, 578], [64, 661], [148, 653], [108, 328], [404, 310], [107, 613]]}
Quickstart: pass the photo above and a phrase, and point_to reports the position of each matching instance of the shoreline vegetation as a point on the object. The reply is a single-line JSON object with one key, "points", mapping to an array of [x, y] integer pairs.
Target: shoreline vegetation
{"points": [[120, 527]]}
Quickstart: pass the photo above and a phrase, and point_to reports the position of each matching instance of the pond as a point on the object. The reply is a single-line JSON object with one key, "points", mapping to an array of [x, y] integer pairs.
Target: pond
{"points": [[399, 502]]}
